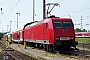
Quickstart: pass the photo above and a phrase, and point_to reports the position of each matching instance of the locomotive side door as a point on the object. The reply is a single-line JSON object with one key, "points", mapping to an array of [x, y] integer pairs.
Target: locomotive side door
{"points": [[46, 33]]}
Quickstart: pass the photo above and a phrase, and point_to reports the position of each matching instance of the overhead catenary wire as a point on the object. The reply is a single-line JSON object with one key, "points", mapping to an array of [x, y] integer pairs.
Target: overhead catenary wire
{"points": [[85, 17], [10, 5], [30, 12], [70, 3], [39, 9], [76, 11], [61, 1], [31, 16], [11, 10]]}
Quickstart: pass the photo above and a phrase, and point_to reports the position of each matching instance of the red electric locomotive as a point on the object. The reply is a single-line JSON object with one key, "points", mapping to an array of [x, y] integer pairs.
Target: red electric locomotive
{"points": [[52, 34]]}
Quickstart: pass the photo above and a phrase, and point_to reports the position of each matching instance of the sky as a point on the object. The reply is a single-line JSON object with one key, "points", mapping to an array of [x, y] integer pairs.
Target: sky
{"points": [[68, 9]]}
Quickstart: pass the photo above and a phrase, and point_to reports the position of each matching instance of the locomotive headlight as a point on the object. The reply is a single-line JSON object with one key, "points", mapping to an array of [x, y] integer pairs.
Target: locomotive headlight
{"points": [[56, 38]]}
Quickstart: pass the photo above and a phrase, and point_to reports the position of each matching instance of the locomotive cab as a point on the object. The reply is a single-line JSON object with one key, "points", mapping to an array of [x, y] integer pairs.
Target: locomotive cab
{"points": [[63, 31], [62, 34]]}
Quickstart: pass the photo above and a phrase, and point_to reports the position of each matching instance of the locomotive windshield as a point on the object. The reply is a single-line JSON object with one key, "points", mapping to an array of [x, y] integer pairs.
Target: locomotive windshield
{"points": [[58, 25], [67, 25], [62, 25]]}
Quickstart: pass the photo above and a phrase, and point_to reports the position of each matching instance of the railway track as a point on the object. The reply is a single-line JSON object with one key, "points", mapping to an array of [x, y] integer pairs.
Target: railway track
{"points": [[77, 54], [11, 54], [86, 46], [74, 54]]}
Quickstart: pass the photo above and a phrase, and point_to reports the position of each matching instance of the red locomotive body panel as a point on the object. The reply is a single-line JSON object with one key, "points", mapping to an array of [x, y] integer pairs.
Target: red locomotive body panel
{"points": [[36, 33], [50, 31]]}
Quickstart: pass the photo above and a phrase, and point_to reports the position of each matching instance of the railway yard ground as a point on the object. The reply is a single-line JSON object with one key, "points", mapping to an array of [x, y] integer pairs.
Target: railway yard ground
{"points": [[43, 55], [81, 53], [8, 53]]}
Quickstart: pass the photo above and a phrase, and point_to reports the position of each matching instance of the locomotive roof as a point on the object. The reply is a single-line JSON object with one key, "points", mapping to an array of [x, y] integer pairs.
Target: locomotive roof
{"points": [[40, 22]]}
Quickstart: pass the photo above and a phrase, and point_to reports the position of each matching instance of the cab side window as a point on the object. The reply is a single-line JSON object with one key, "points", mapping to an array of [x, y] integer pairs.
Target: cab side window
{"points": [[46, 25]]}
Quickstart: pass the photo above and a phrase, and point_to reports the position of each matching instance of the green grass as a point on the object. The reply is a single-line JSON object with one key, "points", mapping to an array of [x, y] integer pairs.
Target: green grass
{"points": [[57, 54], [83, 40], [41, 58], [50, 55]]}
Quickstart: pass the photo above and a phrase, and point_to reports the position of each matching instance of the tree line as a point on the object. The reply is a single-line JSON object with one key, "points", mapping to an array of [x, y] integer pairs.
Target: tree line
{"points": [[81, 30]]}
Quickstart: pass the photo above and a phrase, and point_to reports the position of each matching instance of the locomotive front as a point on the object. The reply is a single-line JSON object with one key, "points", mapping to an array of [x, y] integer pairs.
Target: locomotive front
{"points": [[64, 34]]}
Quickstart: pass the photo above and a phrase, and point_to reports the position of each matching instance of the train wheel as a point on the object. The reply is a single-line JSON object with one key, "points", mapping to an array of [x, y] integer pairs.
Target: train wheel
{"points": [[40, 46], [55, 49], [44, 47], [61, 50], [31, 44], [37, 45], [49, 48]]}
